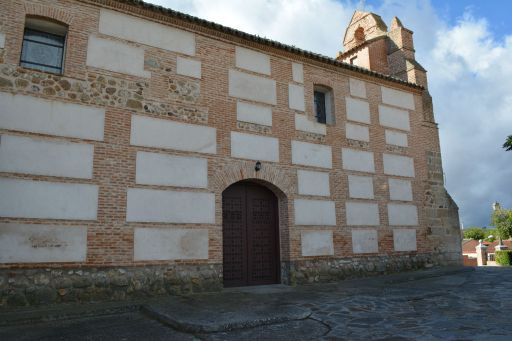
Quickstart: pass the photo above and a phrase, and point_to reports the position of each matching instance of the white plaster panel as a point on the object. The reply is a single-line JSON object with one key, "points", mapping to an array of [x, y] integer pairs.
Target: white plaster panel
{"points": [[41, 199], [169, 170], [298, 72], [310, 154], [357, 88], [360, 187], [404, 239], [254, 147], [398, 165], [22, 243], [303, 123], [402, 215], [296, 97], [400, 190], [313, 183], [357, 110], [252, 60], [394, 118], [396, 138], [314, 212], [2, 40], [150, 205], [316, 243], [357, 160], [146, 32], [362, 213], [159, 133], [357, 132], [42, 157], [259, 114], [163, 243], [116, 56], [188, 67], [365, 241], [251, 87], [27, 113], [398, 98]]}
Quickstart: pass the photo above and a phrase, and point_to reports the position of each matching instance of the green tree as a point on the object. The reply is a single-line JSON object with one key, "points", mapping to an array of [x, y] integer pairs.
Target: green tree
{"points": [[508, 143], [475, 233], [502, 220], [490, 235]]}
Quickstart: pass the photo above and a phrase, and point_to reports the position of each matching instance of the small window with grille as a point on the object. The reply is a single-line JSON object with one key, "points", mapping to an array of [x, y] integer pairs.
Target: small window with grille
{"points": [[322, 99], [320, 107], [43, 45]]}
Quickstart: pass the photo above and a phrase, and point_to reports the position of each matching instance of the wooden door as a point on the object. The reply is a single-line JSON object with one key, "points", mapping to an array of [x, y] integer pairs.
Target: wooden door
{"points": [[250, 235]]}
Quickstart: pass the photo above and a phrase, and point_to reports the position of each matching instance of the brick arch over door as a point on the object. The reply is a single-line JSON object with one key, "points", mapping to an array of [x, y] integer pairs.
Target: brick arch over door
{"points": [[281, 182]]}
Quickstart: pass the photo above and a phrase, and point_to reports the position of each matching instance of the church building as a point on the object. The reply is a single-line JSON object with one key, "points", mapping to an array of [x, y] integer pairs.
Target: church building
{"points": [[147, 152]]}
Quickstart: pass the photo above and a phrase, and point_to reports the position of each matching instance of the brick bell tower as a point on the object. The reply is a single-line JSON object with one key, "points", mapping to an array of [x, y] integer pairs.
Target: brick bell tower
{"points": [[368, 43]]}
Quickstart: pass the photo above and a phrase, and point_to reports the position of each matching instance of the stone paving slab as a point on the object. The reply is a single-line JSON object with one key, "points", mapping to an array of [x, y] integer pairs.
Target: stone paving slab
{"points": [[229, 311], [126, 326], [32, 315], [297, 330]]}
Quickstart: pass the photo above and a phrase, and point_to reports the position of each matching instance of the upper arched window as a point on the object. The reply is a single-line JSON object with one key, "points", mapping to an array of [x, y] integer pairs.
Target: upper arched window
{"points": [[43, 45], [359, 34]]}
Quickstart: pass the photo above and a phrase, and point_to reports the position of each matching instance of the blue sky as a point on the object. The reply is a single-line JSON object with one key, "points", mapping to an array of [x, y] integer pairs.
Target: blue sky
{"points": [[496, 12], [466, 46], [451, 11]]}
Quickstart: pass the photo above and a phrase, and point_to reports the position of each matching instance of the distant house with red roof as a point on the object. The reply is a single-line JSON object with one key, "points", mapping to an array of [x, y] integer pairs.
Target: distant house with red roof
{"points": [[469, 248]]}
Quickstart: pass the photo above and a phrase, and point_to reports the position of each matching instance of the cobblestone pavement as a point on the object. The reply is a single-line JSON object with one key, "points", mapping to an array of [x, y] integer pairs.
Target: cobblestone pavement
{"points": [[463, 306], [468, 306]]}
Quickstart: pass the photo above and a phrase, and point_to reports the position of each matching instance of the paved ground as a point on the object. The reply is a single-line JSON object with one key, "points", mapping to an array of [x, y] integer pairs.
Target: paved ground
{"points": [[431, 305]]}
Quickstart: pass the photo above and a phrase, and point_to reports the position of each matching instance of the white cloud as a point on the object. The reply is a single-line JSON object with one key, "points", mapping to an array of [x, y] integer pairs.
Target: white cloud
{"points": [[470, 81], [469, 36], [316, 25], [470, 78]]}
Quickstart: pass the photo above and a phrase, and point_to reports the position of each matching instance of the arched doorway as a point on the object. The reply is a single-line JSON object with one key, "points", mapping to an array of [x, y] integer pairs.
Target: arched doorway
{"points": [[250, 230]]}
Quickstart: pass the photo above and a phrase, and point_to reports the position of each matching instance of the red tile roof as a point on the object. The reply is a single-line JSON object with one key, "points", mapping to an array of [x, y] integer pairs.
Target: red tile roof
{"points": [[469, 246]]}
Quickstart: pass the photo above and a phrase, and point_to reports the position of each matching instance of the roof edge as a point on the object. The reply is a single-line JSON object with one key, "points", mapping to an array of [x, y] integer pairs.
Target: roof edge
{"points": [[360, 46], [250, 37]]}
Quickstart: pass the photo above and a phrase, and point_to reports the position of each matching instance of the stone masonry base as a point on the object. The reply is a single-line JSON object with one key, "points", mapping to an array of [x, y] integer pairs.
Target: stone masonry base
{"points": [[331, 270], [22, 287]]}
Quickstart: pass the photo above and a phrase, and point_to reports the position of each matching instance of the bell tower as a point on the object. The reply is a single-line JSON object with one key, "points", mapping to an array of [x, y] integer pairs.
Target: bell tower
{"points": [[367, 43]]}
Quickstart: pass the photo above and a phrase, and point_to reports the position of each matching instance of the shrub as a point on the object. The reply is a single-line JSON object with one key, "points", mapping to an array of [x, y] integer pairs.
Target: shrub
{"points": [[504, 257]]}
